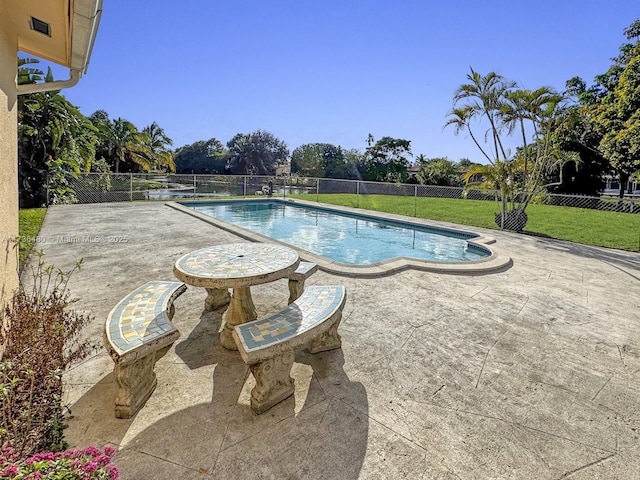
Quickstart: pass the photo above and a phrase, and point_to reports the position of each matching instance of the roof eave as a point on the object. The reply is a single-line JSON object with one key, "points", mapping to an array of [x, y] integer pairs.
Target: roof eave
{"points": [[82, 31], [84, 27]]}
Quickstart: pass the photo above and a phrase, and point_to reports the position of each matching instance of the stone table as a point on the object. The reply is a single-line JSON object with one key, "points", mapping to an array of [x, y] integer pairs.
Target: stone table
{"points": [[237, 266]]}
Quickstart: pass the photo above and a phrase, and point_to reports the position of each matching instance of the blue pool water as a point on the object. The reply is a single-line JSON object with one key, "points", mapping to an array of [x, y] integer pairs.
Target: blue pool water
{"points": [[346, 238]]}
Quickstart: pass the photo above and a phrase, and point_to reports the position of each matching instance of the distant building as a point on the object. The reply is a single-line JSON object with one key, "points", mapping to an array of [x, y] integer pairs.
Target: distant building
{"points": [[413, 171], [283, 170]]}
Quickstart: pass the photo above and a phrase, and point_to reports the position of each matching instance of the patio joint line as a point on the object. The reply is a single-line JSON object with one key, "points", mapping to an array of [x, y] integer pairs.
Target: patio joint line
{"points": [[384, 425], [484, 362], [226, 428], [621, 353], [89, 358], [267, 427], [413, 330], [412, 442], [324, 414], [584, 467], [516, 424], [602, 388], [559, 387], [171, 462], [346, 319], [324, 394], [523, 305], [480, 291]]}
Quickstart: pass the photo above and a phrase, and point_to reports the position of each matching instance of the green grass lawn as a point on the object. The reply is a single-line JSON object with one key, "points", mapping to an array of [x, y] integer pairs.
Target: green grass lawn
{"points": [[585, 226], [580, 225], [30, 221]]}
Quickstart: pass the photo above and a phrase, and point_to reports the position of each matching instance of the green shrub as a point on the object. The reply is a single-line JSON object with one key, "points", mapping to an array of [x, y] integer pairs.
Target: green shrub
{"points": [[100, 178], [41, 341]]}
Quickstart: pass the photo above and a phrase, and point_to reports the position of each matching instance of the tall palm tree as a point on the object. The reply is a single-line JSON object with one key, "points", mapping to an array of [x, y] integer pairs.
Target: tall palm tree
{"points": [[121, 135], [528, 105], [158, 140], [157, 143], [483, 97], [497, 101], [460, 118]]}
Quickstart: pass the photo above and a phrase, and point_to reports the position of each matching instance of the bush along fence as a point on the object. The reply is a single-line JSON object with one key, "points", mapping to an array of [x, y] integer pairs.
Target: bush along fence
{"points": [[124, 187]]}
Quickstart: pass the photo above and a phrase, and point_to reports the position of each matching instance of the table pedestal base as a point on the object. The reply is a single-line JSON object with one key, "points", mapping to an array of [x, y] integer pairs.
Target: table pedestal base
{"points": [[216, 298], [241, 310]]}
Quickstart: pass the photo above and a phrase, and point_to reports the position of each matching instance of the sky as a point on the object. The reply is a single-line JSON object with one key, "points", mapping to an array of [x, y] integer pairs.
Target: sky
{"points": [[334, 71]]}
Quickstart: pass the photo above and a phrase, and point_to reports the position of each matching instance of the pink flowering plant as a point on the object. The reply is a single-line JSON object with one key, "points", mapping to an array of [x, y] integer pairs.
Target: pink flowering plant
{"points": [[77, 464]]}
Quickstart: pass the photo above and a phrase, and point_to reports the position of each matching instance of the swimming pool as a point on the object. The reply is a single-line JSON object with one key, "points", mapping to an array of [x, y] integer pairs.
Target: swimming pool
{"points": [[344, 237]]}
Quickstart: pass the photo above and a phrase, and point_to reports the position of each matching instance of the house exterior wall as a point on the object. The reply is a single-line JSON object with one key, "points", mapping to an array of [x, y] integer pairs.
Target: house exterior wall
{"points": [[8, 161]]}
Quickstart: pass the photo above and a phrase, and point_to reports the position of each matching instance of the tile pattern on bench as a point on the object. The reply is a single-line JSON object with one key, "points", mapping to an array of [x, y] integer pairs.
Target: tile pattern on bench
{"points": [[237, 260], [141, 316], [314, 305], [304, 270]]}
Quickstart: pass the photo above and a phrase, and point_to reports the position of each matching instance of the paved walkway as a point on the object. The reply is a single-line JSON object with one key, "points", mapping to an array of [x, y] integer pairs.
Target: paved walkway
{"points": [[531, 373]]}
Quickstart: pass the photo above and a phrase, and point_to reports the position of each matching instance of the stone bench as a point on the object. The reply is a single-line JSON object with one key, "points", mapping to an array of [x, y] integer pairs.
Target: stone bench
{"points": [[268, 345], [135, 331], [297, 279]]}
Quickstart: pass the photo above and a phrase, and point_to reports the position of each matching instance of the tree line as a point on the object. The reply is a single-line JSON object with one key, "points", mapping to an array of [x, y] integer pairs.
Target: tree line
{"points": [[568, 141], [54, 138], [261, 153]]}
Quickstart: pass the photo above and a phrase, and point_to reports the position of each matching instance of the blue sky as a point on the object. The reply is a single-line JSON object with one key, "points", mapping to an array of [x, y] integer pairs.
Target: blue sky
{"points": [[336, 70]]}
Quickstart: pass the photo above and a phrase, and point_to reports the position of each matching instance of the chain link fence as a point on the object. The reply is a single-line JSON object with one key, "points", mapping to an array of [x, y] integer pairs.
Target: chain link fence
{"points": [[126, 187]]}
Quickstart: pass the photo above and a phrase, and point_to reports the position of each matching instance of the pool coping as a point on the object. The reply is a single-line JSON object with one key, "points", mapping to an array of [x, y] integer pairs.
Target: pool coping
{"points": [[494, 263]]}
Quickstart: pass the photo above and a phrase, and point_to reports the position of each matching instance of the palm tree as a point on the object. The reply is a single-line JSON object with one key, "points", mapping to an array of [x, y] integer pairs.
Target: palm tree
{"points": [[156, 145], [531, 105], [460, 118], [498, 177], [121, 135], [483, 97], [158, 140], [121, 142], [495, 100]]}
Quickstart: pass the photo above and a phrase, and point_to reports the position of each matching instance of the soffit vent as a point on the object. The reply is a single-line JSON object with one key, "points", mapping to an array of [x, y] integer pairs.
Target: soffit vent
{"points": [[40, 26]]}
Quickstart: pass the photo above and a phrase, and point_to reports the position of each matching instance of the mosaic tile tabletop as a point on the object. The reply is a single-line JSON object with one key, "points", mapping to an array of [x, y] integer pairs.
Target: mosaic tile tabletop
{"points": [[142, 316], [236, 260], [316, 304]]}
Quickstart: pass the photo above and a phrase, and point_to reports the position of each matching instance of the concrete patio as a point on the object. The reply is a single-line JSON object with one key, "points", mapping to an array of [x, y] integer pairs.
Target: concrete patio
{"points": [[530, 373]]}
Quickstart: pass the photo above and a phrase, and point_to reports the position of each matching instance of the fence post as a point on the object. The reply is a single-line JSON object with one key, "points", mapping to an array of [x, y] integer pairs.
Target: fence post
{"points": [[358, 193], [317, 190], [131, 186], [415, 200], [46, 200], [244, 188], [194, 186]]}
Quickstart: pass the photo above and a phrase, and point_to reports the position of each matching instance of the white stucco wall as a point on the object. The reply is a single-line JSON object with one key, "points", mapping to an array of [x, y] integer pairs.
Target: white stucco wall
{"points": [[8, 160]]}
